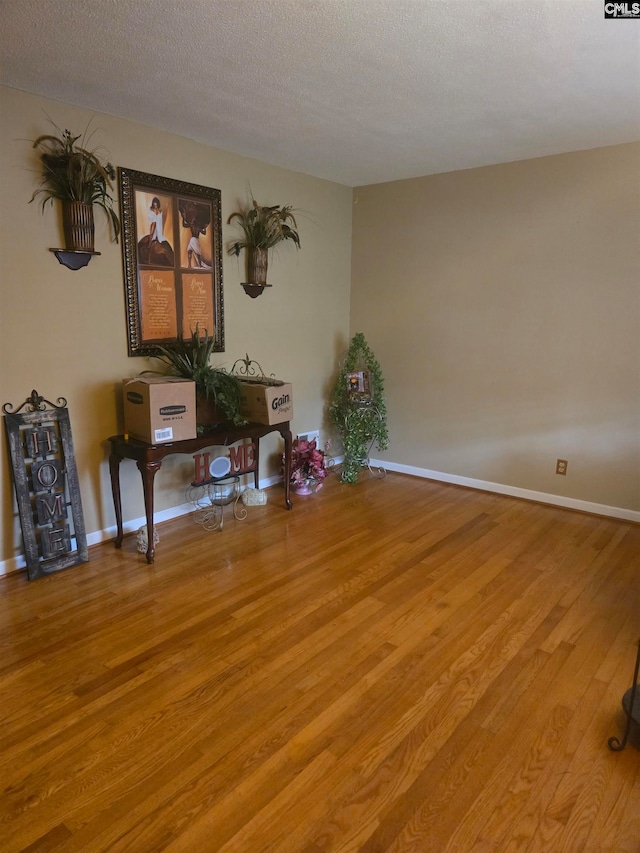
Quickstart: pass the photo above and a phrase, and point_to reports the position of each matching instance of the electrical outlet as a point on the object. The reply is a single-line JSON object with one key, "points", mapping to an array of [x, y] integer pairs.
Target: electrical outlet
{"points": [[309, 436], [561, 466]]}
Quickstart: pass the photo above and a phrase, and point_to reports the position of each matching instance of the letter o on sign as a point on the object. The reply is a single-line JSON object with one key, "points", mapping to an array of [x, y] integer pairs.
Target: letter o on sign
{"points": [[47, 475]]}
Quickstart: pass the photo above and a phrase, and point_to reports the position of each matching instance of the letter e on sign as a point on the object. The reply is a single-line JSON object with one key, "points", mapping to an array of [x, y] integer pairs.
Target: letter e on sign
{"points": [[56, 541]]}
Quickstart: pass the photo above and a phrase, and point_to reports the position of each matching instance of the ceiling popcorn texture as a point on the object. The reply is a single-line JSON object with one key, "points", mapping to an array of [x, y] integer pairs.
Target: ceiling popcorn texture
{"points": [[354, 91]]}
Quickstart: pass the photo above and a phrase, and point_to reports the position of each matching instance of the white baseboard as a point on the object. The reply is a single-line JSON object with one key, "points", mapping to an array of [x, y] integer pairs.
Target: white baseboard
{"points": [[18, 563], [15, 564], [512, 491], [158, 517]]}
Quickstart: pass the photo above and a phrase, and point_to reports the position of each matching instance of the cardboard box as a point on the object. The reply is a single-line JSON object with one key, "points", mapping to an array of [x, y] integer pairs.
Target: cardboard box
{"points": [[159, 409], [267, 404]]}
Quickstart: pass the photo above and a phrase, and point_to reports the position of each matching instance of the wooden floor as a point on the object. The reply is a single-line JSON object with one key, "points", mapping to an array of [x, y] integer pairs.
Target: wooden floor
{"points": [[399, 665]]}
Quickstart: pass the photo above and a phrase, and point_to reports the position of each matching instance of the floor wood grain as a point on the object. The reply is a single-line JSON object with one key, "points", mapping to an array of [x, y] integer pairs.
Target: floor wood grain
{"points": [[400, 665]]}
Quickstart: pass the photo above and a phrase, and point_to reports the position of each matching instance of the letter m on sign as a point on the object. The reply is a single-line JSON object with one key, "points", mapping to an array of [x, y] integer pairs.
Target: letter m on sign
{"points": [[50, 508], [242, 458]]}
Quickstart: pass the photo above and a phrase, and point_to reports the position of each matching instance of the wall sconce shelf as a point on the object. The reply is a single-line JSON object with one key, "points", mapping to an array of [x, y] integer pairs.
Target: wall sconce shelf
{"points": [[254, 290], [73, 260]]}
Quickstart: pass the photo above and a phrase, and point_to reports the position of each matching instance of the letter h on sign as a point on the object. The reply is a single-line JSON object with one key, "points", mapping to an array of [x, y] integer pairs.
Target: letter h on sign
{"points": [[201, 462], [41, 442]]}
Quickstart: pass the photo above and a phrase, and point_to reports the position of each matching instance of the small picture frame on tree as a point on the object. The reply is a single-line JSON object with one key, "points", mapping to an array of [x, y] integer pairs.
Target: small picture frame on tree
{"points": [[46, 485], [359, 387]]}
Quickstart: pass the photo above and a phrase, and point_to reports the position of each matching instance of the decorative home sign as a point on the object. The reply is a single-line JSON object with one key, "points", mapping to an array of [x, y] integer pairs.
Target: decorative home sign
{"points": [[172, 252], [46, 484], [241, 460]]}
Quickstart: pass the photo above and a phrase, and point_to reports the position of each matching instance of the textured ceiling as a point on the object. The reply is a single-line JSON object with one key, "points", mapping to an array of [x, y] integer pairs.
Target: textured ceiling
{"points": [[356, 91]]}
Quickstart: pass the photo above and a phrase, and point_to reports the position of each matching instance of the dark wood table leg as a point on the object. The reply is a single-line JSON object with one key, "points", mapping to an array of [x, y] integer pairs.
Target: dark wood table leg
{"points": [[256, 459], [286, 434], [148, 471], [114, 471]]}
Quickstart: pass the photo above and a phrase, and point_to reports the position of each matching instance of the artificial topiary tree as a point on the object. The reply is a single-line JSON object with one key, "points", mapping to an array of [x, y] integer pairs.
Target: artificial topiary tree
{"points": [[358, 407]]}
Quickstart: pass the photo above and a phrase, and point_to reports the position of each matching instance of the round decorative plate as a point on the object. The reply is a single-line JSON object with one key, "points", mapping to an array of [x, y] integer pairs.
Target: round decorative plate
{"points": [[220, 467]]}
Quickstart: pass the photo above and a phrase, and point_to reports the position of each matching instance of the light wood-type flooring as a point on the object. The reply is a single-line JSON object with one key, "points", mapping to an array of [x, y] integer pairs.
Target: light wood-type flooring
{"points": [[399, 665]]}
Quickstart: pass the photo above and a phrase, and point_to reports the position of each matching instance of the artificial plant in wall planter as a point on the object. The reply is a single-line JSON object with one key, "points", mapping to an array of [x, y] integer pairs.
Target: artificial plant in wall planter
{"points": [[78, 179], [358, 408], [263, 227]]}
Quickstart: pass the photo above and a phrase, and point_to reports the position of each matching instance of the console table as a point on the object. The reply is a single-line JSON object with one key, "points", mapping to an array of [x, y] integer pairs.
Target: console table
{"points": [[148, 458]]}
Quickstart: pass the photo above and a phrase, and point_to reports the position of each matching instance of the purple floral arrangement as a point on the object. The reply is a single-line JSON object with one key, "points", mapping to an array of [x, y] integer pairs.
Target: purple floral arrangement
{"points": [[307, 463]]}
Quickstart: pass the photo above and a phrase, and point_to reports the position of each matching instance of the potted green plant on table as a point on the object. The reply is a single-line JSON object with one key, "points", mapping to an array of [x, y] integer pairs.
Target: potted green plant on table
{"points": [[218, 393], [78, 178], [358, 408], [262, 228]]}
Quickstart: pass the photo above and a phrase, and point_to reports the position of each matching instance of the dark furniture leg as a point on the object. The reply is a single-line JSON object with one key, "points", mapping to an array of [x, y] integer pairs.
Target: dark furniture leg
{"points": [[148, 472], [286, 435], [114, 471], [256, 456]]}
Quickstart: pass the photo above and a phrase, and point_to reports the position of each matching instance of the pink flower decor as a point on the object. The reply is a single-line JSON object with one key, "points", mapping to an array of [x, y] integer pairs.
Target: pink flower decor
{"points": [[307, 463]]}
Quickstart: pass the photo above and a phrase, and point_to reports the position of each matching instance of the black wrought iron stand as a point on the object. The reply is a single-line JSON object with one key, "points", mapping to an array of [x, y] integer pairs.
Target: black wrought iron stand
{"points": [[631, 706]]}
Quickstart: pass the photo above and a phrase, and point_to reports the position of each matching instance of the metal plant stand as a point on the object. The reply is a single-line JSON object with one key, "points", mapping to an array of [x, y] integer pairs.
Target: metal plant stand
{"points": [[631, 706], [211, 498], [354, 416]]}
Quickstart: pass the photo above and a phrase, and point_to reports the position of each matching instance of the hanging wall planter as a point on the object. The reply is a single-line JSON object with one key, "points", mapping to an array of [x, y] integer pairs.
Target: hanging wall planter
{"points": [[78, 226], [263, 228], [77, 178], [257, 265]]}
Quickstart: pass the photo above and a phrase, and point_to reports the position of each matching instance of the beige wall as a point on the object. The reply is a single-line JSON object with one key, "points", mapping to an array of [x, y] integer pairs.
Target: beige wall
{"points": [[63, 333], [503, 304]]}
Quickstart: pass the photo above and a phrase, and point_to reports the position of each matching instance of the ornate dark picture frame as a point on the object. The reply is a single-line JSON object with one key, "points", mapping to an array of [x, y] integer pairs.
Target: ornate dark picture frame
{"points": [[172, 257], [46, 483]]}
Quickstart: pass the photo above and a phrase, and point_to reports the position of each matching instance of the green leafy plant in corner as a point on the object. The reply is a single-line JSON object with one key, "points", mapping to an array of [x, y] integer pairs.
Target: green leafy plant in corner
{"points": [[190, 359], [359, 425], [72, 172]]}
